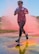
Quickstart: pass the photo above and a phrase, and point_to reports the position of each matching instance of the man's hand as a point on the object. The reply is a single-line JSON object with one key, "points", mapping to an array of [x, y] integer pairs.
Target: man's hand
{"points": [[15, 13], [26, 11]]}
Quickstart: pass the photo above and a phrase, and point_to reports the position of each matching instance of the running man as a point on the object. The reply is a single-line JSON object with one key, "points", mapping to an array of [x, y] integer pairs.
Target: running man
{"points": [[21, 12]]}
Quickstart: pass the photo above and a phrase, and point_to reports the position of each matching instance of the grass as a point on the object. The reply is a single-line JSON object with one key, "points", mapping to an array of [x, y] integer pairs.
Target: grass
{"points": [[7, 31]]}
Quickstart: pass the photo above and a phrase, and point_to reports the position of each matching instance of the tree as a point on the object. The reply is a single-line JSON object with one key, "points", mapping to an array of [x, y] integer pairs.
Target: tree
{"points": [[37, 16], [0, 21]]}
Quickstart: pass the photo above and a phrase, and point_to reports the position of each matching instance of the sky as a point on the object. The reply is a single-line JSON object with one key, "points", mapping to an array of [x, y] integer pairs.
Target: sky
{"points": [[31, 5]]}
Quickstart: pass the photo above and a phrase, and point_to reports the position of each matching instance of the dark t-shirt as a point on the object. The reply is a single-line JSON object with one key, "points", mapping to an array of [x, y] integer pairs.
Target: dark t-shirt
{"points": [[21, 14]]}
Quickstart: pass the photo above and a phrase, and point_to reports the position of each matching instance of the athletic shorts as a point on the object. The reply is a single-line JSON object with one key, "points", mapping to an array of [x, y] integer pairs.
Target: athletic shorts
{"points": [[21, 24]]}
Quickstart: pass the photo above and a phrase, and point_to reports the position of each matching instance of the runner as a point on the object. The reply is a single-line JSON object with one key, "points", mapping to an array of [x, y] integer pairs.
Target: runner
{"points": [[21, 11]]}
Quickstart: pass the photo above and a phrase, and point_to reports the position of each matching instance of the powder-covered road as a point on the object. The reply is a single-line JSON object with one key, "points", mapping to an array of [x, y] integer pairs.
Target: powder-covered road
{"points": [[31, 46]]}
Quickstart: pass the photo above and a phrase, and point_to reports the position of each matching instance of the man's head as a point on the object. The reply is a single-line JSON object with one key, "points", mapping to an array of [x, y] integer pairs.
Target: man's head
{"points": [[20, 3]]}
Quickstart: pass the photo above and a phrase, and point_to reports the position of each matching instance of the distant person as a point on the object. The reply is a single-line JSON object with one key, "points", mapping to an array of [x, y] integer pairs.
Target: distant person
{"points": [[21, 11]]}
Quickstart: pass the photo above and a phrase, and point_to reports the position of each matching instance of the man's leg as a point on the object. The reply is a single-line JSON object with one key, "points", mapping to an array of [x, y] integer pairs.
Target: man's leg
{"points": [[20, 33], [25, 33]]}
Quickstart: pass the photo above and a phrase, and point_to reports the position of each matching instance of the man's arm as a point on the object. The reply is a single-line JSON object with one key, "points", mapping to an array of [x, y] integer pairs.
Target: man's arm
{"points": [[16, 12], [26, 11]]}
